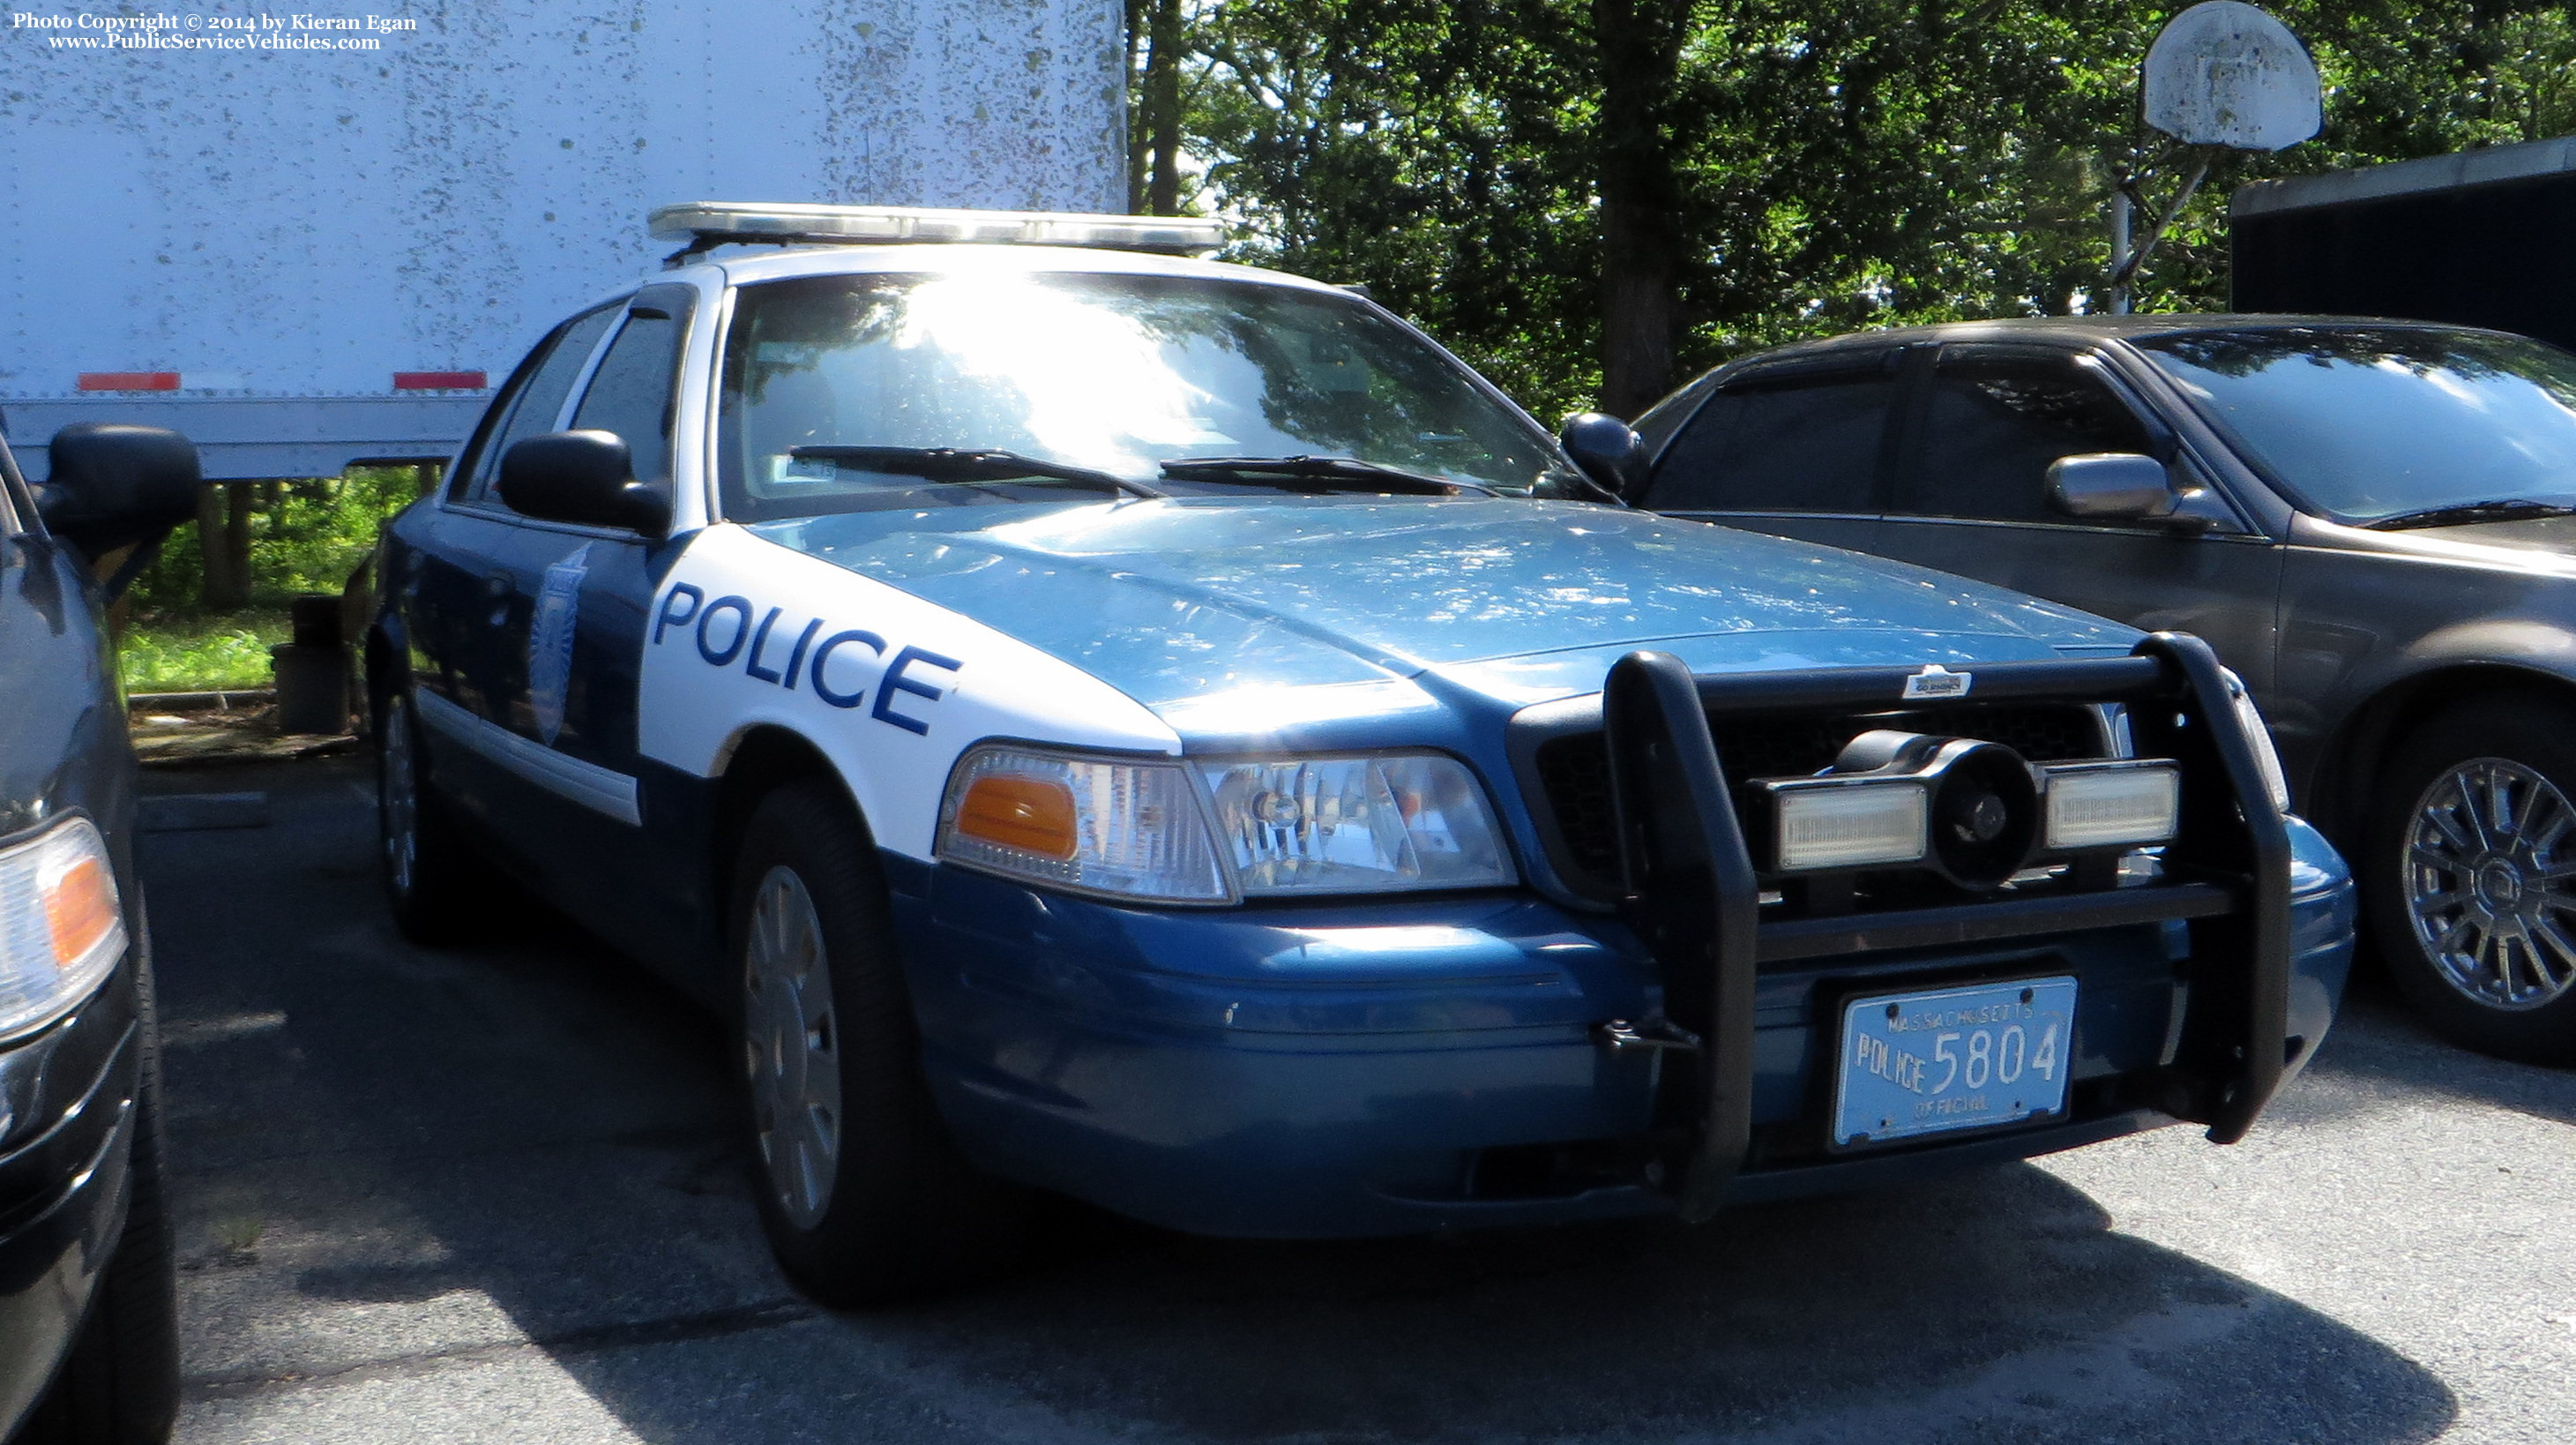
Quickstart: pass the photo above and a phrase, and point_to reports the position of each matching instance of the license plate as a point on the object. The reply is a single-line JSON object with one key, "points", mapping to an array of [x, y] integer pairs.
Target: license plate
{"points": [[1954, 1058]]}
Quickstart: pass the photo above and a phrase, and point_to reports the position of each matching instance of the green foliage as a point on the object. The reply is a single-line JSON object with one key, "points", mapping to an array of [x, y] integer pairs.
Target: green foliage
{"points": [[189, 654], [305, 536], [1865, 163]]}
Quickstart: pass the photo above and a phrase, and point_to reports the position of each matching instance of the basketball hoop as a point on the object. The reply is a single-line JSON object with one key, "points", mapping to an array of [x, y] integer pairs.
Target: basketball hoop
{"points": [[2222, 76]]}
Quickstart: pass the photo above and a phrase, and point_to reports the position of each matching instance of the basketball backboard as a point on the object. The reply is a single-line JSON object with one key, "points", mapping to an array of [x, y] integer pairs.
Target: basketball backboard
{"points": [[2226, 74]]}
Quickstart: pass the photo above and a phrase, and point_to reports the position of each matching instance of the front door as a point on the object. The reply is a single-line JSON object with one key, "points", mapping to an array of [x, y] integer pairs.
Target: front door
{"points": [[1973, 499], [565, 698]]}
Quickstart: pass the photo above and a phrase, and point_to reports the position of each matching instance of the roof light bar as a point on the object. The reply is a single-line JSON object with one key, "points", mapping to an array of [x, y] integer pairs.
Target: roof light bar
{"points": [[706, 224]]}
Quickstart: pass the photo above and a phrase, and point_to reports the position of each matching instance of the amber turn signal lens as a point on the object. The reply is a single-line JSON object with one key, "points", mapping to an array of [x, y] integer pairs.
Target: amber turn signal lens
{"points": [[1034, 815], [80, 908]]}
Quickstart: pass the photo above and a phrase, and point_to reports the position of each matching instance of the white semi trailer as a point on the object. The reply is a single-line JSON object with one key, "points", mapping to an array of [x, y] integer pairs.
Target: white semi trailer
{"points": [[306, 245]]}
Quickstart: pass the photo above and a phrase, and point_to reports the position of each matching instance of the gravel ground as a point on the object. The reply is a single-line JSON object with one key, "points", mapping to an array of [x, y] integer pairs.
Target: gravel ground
{"points": [[493, 1193]]}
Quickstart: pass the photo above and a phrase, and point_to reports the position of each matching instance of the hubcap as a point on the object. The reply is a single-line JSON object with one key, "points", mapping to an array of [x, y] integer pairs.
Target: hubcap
{"points": [[792, 1046], [397, 808], [2487, 885]]}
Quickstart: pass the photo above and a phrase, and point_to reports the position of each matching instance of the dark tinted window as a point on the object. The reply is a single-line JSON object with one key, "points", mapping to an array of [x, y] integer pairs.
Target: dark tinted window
{"points": [[532, 410], [2365, 423], [1808, 445], [630, 394], [1660, 422], [1994, 425]]}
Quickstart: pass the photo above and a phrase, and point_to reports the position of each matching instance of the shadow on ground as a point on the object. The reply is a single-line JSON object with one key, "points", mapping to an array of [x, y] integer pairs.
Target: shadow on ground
{"points": [[391, 1159]]}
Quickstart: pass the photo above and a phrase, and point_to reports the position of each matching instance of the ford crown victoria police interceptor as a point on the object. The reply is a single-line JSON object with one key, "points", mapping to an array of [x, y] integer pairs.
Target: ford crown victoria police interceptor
{"points": [[1167, 733]]}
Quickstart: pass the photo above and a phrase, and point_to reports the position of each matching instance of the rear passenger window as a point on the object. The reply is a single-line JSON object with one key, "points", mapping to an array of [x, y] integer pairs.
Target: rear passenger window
{"points": [[630, 394], [532, 412], [1804, 445], [1994, 424]]}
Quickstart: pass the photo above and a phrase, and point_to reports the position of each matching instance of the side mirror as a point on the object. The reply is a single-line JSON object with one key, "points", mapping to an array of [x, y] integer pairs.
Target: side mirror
{"points": [[584, 477], [114, 485], [1608, 452], [2112, 487]]}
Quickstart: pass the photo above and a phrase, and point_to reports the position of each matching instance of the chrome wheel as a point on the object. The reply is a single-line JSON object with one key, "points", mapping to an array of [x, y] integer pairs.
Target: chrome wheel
{"points": [[397, 802], [2487, 883], [792, 1046]]}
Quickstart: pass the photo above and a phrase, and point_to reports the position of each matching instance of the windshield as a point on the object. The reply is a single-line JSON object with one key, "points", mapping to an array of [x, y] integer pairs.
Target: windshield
{"points": [[1110, 372], [2364, 423]]}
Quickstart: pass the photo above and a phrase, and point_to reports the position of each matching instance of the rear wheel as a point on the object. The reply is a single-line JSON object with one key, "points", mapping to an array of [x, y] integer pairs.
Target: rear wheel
{"points": [[2471, 866], [120, 1384], [865, 1197], [434, 880]]}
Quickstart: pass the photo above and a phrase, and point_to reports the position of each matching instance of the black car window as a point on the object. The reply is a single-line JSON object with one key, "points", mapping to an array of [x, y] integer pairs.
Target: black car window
{"points": [[1993, 424], [1808, 444], [631, 392], [1659, 423], [540, 398]]}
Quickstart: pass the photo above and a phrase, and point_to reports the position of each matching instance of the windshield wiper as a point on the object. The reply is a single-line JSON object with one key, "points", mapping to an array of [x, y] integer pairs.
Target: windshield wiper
{"points": [[2461, 513], [971, 464], [1366, 476]]}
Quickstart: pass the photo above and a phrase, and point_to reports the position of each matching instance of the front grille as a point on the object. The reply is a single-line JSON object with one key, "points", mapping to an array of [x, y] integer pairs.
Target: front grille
{"points": [[1574, 771]]}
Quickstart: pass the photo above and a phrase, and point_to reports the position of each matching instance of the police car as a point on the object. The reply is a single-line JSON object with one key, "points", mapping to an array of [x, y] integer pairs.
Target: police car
{"points": [[1163, 732]]}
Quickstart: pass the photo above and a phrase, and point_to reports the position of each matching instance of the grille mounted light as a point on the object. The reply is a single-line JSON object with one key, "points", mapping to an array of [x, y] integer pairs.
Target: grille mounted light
{"points": [[1850, 822], [2103, 805]]}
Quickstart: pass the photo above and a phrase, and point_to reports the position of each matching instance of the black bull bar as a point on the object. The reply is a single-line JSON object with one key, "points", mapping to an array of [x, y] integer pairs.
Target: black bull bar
{"points": [[1690, 892]]}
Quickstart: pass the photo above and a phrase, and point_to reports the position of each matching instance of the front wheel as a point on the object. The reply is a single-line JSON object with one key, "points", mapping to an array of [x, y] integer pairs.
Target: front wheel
{"points": [[2471, 872], [864, 1196]]}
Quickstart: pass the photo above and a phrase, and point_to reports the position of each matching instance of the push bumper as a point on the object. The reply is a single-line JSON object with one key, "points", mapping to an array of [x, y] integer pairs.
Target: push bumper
{"points": [[1407, 1066]]}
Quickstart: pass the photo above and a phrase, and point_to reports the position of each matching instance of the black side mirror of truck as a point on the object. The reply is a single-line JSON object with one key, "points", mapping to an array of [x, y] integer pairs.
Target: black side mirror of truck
{"points": [[582, 477], [1613, 456], [115, 485]]}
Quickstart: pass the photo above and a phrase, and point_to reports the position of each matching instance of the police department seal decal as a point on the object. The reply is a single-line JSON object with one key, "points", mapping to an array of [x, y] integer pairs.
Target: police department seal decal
{"points": [[550, 641]]}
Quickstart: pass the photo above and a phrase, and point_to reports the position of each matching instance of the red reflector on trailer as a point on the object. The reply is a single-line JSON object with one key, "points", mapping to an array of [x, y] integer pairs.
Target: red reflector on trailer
{"points": [[129, 381], [438, 381]]}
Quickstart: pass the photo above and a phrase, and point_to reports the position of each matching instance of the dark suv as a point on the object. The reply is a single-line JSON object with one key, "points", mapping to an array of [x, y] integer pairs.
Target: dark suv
{"points": [[2374, 522], [88, 1338]]}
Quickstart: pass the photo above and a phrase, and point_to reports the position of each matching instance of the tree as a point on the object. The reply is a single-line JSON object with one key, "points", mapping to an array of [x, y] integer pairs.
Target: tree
{"points": [[1590, 199]]}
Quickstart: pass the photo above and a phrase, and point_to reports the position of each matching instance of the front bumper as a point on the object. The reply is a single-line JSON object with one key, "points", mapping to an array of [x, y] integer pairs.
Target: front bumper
{"points": [[1400, 1066], [67, 1123]]}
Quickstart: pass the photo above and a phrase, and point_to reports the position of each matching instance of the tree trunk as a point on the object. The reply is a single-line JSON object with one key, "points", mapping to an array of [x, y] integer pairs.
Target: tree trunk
{"points": [[1163, 107], [1135, 117], [1638, 43]]}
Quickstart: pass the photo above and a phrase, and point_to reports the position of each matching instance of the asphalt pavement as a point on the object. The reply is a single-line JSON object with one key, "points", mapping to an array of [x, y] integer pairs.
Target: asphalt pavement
{"points": [[495, 1193]]}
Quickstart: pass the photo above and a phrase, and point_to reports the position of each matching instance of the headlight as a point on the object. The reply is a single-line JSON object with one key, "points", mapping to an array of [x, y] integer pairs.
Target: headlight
{"points": [[2275, 782], [1142, 829], [1356, 824], [1130, 828], [61, 931], [1832, 824]]}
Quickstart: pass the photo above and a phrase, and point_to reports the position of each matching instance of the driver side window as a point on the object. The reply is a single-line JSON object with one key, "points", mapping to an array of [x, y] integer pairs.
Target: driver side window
{"points": [[539, 400]]}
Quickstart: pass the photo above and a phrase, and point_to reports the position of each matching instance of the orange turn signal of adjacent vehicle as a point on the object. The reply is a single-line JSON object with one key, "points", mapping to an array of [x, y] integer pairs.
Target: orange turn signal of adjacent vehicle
{"points": [[61, 926]]}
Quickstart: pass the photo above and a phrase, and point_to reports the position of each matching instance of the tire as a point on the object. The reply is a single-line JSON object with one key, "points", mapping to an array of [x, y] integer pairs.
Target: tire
{"points": [[2474, 912], [864, 1196], [120, 1383], [436, 884]]}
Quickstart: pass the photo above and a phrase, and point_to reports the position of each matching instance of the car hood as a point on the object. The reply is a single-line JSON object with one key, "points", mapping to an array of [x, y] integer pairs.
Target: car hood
{"points": [[1527, 600]]}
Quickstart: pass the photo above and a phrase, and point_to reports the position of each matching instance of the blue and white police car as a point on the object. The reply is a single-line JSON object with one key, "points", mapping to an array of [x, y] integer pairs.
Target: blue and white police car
{"points": [[1167, 733]]}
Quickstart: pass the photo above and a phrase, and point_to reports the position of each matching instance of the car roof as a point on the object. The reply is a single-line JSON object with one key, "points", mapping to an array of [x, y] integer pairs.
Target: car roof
{"points": [[2073, 331]]}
